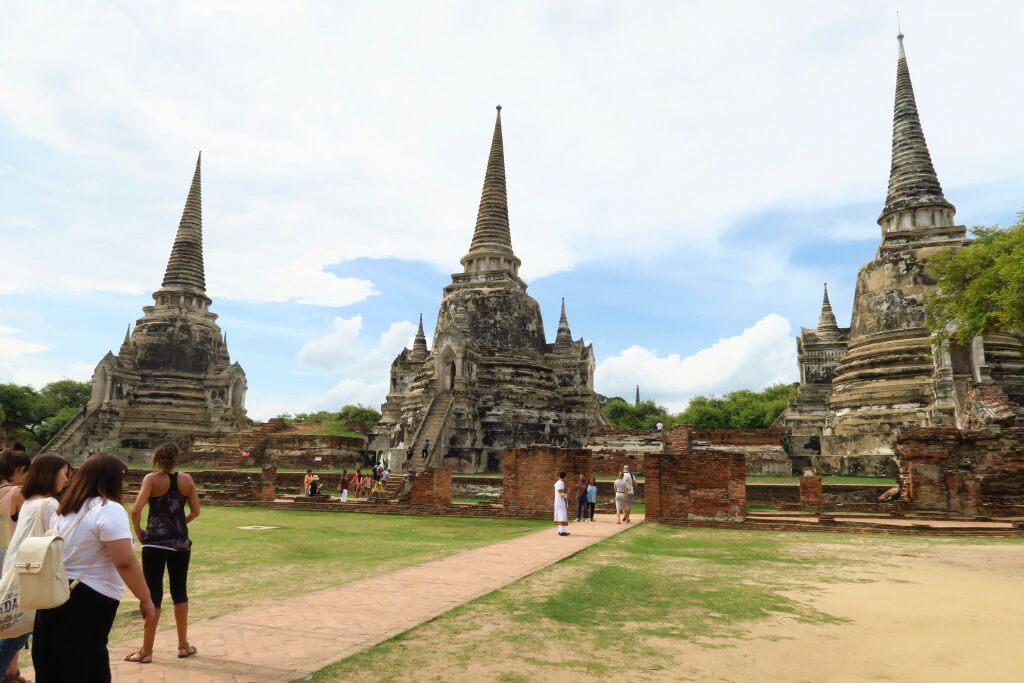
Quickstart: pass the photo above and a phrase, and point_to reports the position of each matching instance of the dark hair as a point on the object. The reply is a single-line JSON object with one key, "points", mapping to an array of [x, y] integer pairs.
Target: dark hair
{"points": [[41, 479], [101, 475], [165, 457], [561, 475], [12, 461]]}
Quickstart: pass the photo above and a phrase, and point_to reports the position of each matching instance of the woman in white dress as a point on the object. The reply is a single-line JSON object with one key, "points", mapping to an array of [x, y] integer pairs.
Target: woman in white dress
{"points": [[561, 507]]}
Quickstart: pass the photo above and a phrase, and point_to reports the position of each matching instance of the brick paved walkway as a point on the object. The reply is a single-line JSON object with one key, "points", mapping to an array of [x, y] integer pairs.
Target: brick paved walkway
{"points": [[286, 640]]}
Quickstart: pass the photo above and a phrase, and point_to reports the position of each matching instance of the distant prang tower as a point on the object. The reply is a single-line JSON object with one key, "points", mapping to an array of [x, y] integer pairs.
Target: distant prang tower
{"points": [[891, 375], [172, 376], [490, 380]]}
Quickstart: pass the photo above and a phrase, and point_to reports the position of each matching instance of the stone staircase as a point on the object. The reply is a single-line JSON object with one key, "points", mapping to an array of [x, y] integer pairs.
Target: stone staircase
{"points": [[430, 429]]}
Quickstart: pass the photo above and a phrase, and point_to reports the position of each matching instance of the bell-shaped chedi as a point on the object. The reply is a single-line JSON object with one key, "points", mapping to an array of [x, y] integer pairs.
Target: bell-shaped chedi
{"points": [[173, 376], [490, 380], [893, 376]]}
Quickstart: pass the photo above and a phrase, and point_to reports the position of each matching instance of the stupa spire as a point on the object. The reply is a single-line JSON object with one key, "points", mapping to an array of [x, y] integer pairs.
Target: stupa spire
{"points": [[827, 326], [419, 344], [491, 248], [127, 334], [564, 335], [636, 401], [185, 266], [913, 182]]}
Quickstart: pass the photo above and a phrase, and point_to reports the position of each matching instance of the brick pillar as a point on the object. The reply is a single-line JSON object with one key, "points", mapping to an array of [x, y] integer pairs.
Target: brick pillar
{"points": [[431, 487], [652, 485], [530, 474], [811, 495], [268, 491]]}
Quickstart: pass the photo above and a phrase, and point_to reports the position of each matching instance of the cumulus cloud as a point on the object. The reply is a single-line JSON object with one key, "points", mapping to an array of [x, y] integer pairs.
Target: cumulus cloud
{"points": [[316, 155], [13, 347], [761, 355], [363, 365]]}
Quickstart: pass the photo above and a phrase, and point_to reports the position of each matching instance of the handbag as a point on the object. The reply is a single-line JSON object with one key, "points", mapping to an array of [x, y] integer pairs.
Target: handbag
{"points": [[14, 619], [39, 565]]}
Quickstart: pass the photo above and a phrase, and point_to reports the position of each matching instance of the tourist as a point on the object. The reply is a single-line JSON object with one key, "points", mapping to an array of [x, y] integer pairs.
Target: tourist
{"points": [[306, 481], [13, 468], [343, 486], [659, 426], [70, 642], [591, 497], [385, 475], [426, 448], [561, 506], [314, 486], [355, 483], [620, 497], [166, 544], [630, 482], [32, 507], [581, 498]]}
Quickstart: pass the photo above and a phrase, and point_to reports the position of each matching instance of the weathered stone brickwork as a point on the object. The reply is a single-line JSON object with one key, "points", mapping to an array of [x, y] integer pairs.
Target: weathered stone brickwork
{"points": [[530, 475], [172, 377], [490, 380], [613, 449], [683, 483], [966, 472]]}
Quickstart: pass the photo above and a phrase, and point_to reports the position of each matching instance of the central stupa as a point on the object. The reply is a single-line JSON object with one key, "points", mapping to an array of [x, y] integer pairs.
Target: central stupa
{"points": [[490, 380]]}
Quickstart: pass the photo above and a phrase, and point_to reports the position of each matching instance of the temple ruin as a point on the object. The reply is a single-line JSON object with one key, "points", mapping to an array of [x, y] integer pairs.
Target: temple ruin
{"points": [[891, 374], [490, 380], [173, 376]]}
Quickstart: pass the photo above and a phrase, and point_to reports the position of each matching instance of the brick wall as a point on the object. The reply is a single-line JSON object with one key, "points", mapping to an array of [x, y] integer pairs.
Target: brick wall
{"points": [[530, 475], [429, 488], [966, 472], [739, 437], [683, 483]]}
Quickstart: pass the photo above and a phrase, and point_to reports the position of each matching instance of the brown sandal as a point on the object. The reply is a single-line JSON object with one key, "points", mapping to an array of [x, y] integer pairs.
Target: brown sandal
{"points": [[140, 657], [187, 651]]}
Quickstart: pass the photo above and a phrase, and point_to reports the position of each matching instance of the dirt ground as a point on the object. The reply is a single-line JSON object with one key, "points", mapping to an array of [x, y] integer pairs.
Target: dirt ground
{"points": [[894, 610], [957, 615]]}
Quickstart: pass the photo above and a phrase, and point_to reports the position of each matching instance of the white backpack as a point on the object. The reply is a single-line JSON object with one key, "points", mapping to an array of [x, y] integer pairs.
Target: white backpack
{"points": [[39, 563]]}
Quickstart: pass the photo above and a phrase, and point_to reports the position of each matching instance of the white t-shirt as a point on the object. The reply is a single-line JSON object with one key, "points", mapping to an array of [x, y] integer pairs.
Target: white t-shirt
{"points": [[33, 520], [104, 521]]}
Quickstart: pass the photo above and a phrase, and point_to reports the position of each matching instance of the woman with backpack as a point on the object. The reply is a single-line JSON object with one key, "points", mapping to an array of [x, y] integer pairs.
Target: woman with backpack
{"points": [[31, 508], [165, 544], [70, 641]]}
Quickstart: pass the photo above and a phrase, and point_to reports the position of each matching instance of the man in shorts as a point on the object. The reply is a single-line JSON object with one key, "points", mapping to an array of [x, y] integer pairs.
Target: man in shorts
{"points": [[620, 498], [630, 486]]}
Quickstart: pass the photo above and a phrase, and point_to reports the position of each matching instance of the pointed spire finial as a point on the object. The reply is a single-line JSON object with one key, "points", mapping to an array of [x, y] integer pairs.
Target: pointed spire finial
{"points": [[913, 182], [827, 326], [128, 334], [564, 335], [419, 344], [636, 402], [491, 247], [185, 266]]}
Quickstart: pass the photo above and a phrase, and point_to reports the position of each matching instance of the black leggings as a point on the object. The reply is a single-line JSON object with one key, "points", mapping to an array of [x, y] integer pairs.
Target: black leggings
{"points": [[176, 561], [69, 643]]}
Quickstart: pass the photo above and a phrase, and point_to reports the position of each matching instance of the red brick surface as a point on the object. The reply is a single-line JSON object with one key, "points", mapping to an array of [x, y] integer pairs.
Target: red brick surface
{"points": [[431, 488], [530, 475], [739, 437], [812, 495], [966, 472], [686, 484]]}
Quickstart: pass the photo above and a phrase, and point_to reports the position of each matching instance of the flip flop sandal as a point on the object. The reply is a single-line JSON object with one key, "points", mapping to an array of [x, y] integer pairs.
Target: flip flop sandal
{"points": [[140, 657], [188, 651]]}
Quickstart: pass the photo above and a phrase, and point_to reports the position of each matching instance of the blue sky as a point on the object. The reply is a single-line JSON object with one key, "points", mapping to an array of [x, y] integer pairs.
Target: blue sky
{"points": [[686, 176]]}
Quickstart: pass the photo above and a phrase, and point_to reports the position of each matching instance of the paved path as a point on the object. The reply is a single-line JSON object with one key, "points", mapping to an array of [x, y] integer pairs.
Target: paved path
{"points": [[288, 639]]}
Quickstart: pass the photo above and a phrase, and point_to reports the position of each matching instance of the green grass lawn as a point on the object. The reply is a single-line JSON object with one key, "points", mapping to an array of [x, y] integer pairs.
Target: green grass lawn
{"points": [[232, 568], [627, 606]]}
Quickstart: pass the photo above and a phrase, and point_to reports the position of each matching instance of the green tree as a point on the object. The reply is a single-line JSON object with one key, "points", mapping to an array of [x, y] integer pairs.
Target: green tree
{"points": [[623, 415], [744, 409], [981, 286], [35, 416], [365, 415], [22, 410], [64, 393]]}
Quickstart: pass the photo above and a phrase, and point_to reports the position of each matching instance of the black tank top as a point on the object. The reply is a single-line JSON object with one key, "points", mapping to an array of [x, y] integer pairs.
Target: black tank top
{"points": [[166, 527]]}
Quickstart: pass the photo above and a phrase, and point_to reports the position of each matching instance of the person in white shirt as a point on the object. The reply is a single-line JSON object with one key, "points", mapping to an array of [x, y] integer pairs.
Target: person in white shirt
{"points": [[70, 641], [630, 488], [30, 508], [561, 507]]}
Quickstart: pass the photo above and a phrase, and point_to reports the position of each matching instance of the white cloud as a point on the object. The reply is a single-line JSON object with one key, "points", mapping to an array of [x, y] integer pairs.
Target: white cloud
{"points": [[761, 355], [12, 347], [363, 366], [336, 131]]}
